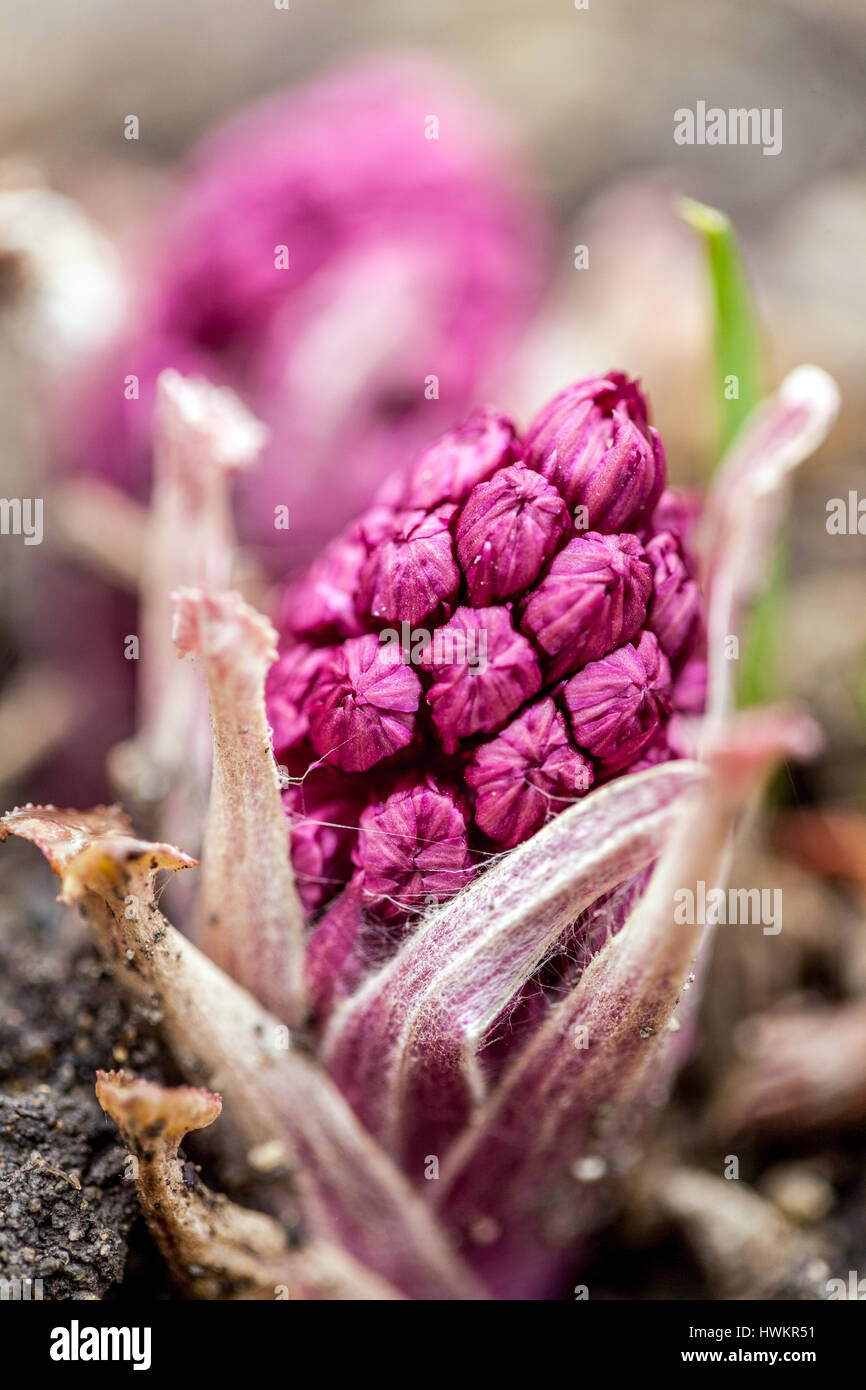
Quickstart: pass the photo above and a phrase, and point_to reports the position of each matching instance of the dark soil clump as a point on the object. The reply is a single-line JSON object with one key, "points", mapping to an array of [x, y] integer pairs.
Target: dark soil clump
{"points": [[68, 1207]]}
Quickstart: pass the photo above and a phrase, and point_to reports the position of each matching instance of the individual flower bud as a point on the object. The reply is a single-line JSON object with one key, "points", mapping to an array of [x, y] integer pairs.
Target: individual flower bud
{"points": [[658, 751], [412, 571], [482, 672], [288, 687], [526, 774], [323, 815], [412, 848], [321, 605], [363, 707], [690, 687], [674, 612], [617, 704], [508, 529], [678, 513], [593, 598], [318, 863], [594, 444], [448, 470]]}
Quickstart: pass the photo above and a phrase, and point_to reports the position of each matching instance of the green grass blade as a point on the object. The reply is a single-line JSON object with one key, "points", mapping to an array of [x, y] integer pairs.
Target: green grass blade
{"points": [[737, 345], [738, 389]]}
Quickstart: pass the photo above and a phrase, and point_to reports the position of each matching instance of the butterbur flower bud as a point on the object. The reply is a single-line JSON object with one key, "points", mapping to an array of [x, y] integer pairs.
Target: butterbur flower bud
{"points": [[363, 707], [594, 443], [678, 512], [412, 571], [482, 672], [657, 751], [321, 605], [377, 672], [412, 848], [526, 774], [316, 859], [593, 598], [448, 470], [289, 686], [674, 612], [617, 705], [323, 817], [508, 529], [690, 686]]}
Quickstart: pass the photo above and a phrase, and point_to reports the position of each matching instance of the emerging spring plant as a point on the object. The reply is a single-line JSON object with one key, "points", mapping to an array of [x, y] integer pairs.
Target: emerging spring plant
{"points": [[441, 1048]]}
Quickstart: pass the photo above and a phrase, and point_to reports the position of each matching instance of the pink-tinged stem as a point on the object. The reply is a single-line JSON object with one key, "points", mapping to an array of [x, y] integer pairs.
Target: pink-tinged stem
{"points": [[403, 1049], [203, 436], [251, 921], [745, 508], [341, 1186], [539, 1168]]}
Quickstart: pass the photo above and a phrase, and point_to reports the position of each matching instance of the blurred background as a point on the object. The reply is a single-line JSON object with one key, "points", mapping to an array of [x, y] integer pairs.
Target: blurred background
{"points": [[556, 131]]}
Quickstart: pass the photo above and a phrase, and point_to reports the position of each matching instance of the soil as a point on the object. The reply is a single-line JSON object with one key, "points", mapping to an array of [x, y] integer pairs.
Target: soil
{"points": [[69, 1214]]}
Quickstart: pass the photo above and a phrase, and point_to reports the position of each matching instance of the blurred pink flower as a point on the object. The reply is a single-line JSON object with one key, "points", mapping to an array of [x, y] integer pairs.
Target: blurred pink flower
{"points": [[357, 258]]}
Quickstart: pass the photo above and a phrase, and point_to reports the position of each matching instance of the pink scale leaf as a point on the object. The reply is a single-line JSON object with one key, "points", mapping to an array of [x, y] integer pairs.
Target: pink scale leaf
{"points": [[203, 437], [583, 1087], [403, 1048], [250, 916], [745, 507]]}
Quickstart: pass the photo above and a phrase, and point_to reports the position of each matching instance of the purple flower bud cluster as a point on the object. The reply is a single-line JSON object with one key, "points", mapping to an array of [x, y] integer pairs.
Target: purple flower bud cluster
{"points": [[513, 622]]}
